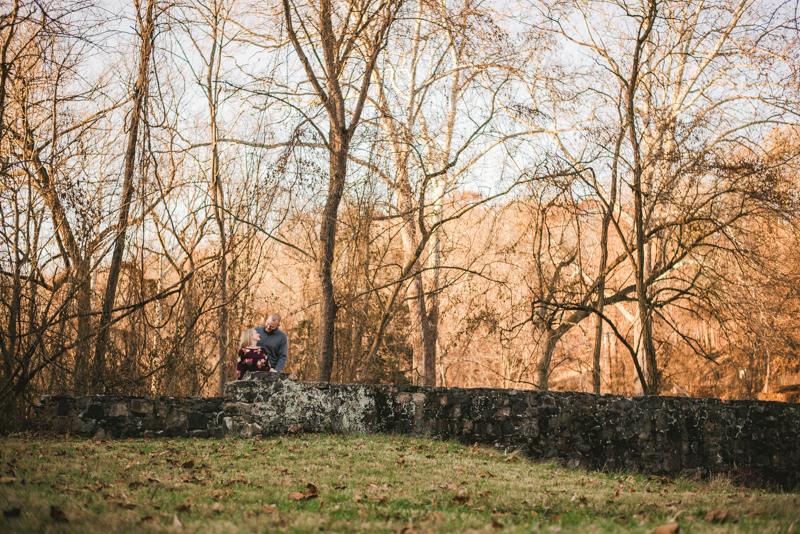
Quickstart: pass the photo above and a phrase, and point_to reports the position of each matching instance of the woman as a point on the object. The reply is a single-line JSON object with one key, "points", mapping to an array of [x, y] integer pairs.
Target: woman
{"points": [[250, 357]]}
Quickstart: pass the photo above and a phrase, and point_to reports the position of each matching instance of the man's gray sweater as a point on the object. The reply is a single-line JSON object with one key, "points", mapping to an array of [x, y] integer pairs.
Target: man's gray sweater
{"points": [[276, 345]]}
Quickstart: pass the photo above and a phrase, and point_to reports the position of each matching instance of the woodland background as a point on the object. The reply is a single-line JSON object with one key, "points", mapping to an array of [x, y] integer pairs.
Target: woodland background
{"points": [[579, 194]]}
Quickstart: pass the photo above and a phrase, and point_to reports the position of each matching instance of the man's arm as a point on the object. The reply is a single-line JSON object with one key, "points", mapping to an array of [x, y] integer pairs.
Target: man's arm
{"points": [[283, 354]]}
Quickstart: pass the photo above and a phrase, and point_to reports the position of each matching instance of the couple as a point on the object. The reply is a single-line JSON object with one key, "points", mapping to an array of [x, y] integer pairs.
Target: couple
{"points": [[263, 348]]}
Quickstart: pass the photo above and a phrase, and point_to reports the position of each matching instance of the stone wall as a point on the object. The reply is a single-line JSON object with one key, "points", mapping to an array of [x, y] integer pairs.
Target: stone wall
{"points": [[756, 441], [108, 417]]}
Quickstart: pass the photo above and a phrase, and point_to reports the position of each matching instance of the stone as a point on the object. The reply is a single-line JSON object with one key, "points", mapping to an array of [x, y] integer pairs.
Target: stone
{"points": [[118, 409], [197, 421], [95, 411], [237, 408], [251, 430], [177, 419], [141, 407]]}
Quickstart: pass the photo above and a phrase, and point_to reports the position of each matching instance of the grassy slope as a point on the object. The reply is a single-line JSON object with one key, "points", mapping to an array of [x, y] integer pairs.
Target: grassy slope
{"points": [[364, 483]]}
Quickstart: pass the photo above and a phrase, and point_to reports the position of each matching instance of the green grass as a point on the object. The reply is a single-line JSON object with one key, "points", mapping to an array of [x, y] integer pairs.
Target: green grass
{"points": [[362, 483]]}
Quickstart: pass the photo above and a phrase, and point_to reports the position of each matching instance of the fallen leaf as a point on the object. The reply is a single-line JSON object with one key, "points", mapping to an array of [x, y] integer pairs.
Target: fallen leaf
{"points": [[269, 509], [216, 508], [14, 512], [146, 518], [475, 448], [485, 475], [183, 507], [311, 493], [497, 525], [176, 522], [8, 480], [58, 515], [719, 515], [188, 465], [461, 499], [669, 528], [511, 459]]}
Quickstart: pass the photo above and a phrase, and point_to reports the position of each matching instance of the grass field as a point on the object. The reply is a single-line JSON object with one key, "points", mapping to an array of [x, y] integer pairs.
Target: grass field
{"points": [[345, 484]]}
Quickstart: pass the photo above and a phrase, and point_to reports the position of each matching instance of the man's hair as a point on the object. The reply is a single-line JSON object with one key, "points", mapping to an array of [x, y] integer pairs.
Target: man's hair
{"points": [[273, 317], [247, 338]]}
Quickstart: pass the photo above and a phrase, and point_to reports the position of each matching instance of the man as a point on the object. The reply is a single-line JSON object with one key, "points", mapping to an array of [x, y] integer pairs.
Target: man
{"points": [[274, 342]]}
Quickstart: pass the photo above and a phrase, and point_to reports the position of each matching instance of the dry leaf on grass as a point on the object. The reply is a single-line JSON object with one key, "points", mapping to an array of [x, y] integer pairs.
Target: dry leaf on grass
{"points": [[669, 528], [8, 480], [188, 465], [497, 525], [269, 509], [175, 521], [718, 515], [461, 498], [311, 493]]}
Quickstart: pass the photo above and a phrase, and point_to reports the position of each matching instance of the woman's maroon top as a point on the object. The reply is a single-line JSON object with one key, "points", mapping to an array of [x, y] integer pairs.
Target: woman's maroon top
{"points": [[251, 360]]}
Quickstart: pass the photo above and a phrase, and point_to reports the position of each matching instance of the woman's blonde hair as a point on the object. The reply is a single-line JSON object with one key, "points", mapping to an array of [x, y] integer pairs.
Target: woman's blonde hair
{"points": [[247, 338]]}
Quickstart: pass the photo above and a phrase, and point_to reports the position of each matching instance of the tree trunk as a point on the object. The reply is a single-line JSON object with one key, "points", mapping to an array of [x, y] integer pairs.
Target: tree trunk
{"points": [[641, 289], [547, 346], [340, 146], [139, 99]]}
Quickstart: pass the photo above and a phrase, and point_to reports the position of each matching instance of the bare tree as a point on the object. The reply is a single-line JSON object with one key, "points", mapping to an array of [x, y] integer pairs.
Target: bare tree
{"points": [[681, 69], [146, 28], [344, 42]]}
